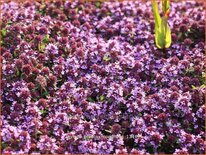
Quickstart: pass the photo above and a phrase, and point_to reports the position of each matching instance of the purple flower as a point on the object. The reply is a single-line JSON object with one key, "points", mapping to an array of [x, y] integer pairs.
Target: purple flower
{"points": [[46, 144], [188, 41], [51, 49], [45, 71], [41, 80], [26, 69], [181, 151], [43, 30], [116, 128], [7, 56]]}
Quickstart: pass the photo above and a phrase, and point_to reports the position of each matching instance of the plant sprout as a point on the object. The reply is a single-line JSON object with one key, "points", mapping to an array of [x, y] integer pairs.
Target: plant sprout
{"points": [[162, 29]]}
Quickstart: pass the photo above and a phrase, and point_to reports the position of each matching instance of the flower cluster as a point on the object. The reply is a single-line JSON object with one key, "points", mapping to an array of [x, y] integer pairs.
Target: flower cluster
{"points": [[86, 77]]}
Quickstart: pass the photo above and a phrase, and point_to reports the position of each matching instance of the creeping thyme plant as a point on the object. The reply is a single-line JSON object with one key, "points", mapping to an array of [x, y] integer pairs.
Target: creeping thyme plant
{"points": [[82, 77]]}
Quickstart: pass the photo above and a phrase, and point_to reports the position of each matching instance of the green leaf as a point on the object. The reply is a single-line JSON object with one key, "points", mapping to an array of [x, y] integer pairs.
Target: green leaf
{"points": [[168, 38], [15, 54], [98, 4], [102, 98], [156, 13], [45, 39], [165, 6], [162, 29], [39, 132], [190, 129], [44, 112], [17, 72], [9, 22], [87, 137], [91, 99], [159, 37], [159, 34], [193, 87], [45, 93], [190, 70], [108, 13], [3, 32], [77, 9], [108, 131], [200, 87], [106, 58], [41, 47], [128, 96], [4, 145]]}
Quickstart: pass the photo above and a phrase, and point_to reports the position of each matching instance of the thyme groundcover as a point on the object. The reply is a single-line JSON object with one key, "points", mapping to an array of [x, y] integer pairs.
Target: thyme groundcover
{"points": [[86, 77]]}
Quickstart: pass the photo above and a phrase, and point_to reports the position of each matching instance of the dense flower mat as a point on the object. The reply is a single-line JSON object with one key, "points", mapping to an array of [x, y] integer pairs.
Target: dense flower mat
{"points": [[86, 77]]}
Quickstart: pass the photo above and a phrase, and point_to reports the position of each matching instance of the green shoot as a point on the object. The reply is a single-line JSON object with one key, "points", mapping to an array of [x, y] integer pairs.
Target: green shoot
{"points": [[46, 39], [162, 30], [3, 32]]}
